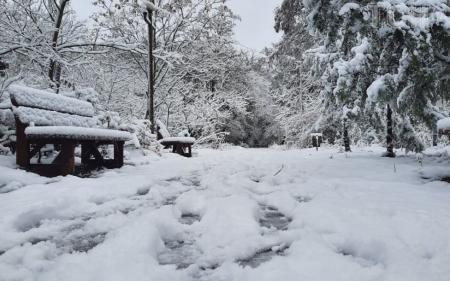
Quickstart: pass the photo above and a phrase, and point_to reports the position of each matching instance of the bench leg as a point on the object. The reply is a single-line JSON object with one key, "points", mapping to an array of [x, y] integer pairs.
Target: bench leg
{"points": [[22, 146], [118, 154], [89, 149], [85, 154], [189, 151], [66, 159]]}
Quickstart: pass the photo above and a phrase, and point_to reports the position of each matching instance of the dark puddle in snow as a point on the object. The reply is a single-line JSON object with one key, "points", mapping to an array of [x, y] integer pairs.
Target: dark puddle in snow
{"points": [[189, 219], [271, 217], [180, 253], [263, 256]]}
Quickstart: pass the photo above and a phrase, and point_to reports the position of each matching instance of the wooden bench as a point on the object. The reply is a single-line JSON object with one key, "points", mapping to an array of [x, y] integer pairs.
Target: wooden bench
{"points": [[44, 118], [443, 127], [180, 145]]}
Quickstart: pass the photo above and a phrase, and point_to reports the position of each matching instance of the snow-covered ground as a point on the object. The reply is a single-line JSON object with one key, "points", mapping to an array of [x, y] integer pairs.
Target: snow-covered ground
{"points": [[239, 214]]}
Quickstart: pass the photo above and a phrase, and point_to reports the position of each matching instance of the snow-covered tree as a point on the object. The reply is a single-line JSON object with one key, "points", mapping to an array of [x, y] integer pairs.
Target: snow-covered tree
{"points": [[295, 86], [199, 73], [383, 56]]}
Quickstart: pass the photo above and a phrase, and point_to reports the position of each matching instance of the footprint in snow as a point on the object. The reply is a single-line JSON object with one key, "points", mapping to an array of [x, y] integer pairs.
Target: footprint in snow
{"points": [[263, 256], [181, 253], [272, 218]]}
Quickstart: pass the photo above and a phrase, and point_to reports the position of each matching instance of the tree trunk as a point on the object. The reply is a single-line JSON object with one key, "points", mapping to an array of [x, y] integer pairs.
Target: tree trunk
{"points": [[346, 138], [435, 135], [389, 134], [148, 16], [54, 67]]}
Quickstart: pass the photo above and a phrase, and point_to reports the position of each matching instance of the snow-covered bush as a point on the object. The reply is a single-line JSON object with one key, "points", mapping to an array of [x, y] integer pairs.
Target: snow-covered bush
{"points": [[7, 124], [142, 136], [110, 120], [85, 94]]}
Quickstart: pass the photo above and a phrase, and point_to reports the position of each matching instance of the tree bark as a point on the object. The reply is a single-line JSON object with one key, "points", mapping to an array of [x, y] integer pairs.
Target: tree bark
{"points": [[389, 134], [148, 16], [435, 135], [54, 67], [346, 138]]}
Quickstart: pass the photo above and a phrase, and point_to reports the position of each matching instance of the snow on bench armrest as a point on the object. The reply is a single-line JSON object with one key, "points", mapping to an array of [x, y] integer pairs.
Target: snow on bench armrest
{"points": [[162, 129], [40, 117], [25, 96], [78, 133], [444, 124], [184, 140]]}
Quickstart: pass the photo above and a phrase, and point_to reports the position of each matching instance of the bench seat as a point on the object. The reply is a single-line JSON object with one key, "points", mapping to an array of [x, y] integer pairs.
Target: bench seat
{"points": [[76, 133], [175, 140]]}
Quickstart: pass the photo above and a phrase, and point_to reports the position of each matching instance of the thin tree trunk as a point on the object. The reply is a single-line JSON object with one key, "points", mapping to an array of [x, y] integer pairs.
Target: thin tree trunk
{"points": [[435, 135], [346, 138], [54, 67], [389, 134], [151, 69]]}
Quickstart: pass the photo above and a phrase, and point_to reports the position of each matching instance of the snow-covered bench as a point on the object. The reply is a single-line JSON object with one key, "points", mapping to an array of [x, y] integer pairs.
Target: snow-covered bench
{"points": [[443, 127], [44, 118], [180, 145]]}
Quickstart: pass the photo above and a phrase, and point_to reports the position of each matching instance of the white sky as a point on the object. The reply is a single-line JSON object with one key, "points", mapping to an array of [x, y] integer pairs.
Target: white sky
{"points": [[254, 31]]}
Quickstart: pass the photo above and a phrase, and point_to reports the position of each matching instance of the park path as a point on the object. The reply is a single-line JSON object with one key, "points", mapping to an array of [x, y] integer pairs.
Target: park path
{"points": [[237, 214]]}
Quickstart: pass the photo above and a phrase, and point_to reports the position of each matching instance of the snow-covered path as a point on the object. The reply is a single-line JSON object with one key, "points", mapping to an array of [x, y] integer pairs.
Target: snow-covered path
{"points": [[239, 214]]}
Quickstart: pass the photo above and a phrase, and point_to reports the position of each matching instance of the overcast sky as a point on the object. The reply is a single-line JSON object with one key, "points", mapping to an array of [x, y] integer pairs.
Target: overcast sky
{"points": [[254, 31]]}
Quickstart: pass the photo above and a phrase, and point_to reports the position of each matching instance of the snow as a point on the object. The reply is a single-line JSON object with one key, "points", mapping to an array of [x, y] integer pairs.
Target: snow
{"points": [[162, 129], [30, 97], [149, 5], [78, 133], [444, 124], [349, 217], [187, 140], [375, 88], [40, 117], [348, 7]]}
